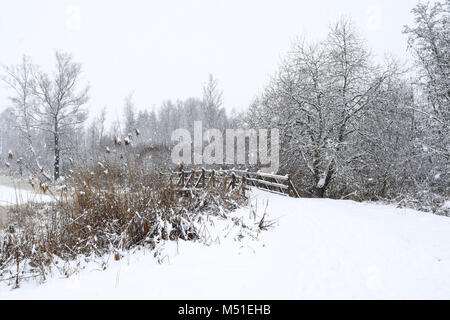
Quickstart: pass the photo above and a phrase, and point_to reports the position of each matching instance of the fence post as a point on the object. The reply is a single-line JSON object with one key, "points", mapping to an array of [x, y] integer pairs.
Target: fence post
{"points": [[292, 188], [244, 184], [233, 180], [182, 178], [203, 177]]}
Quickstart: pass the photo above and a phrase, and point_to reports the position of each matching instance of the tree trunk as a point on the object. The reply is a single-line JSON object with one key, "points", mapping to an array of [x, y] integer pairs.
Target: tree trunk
{"points": [[57, 155], [320, 192]]}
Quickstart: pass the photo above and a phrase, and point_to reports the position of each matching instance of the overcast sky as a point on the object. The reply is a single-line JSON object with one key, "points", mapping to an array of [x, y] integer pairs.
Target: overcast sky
{"points": [[166, 49]]}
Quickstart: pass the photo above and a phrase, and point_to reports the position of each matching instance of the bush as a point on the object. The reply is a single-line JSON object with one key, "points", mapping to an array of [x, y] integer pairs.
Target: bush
{"points": [[106, 209]]}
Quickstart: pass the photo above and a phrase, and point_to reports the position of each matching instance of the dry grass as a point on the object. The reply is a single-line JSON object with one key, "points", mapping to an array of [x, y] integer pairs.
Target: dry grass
{"points": [[111, 207]]}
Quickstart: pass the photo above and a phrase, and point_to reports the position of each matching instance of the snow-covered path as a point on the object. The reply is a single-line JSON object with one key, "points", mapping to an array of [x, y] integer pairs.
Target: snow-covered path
{"points": [[320, 249]]}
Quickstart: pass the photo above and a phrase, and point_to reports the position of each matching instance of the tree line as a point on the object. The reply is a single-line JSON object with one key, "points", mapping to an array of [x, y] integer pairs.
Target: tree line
{"points": [[47, 126]]}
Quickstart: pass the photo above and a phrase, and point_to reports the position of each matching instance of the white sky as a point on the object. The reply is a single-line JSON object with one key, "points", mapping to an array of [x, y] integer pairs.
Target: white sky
{"points": [[165, 49]]}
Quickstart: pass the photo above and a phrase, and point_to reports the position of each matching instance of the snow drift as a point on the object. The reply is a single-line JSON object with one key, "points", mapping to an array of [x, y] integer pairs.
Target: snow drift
{"points": [[318, 249]]}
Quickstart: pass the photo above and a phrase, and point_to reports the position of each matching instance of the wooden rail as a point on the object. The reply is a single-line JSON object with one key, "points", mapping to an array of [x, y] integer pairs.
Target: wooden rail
{"points": [[197, 179]]}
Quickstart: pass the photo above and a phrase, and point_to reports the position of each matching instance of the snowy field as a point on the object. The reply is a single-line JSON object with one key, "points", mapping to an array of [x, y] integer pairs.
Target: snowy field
{"points": [[12, 196], [318, 249]]}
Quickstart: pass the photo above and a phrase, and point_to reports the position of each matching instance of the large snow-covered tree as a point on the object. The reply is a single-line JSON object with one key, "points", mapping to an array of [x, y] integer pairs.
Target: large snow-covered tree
{"points": [[316, 99], [429, 40]]}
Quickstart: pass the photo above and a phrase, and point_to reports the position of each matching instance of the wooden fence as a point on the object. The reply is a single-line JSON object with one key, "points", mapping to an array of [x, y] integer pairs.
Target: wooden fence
{"points": [[197, 179]]}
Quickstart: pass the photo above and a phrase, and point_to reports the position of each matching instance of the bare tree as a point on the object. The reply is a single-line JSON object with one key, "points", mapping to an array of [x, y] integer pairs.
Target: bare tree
{"points": [[429, 40], [129, 114], [317, 99], [60, 103], [212, 103], [20, 80]]}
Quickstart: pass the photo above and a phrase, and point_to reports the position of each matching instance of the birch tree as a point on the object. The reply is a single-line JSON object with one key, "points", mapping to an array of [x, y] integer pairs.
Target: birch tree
{"points": [[60, 103], [212, 104], [20, 80]]}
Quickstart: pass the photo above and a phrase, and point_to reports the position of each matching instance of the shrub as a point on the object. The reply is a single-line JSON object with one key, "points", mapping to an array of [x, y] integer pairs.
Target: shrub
{"points": [[108, 208]]}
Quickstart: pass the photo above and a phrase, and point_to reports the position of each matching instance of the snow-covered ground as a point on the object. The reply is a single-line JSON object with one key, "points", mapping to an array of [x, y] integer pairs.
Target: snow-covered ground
{"points": [[12, 195], [319, 249]]}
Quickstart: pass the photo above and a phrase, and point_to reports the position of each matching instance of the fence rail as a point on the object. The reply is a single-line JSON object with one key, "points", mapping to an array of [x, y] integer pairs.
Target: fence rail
{"points": [[198, 179]]}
